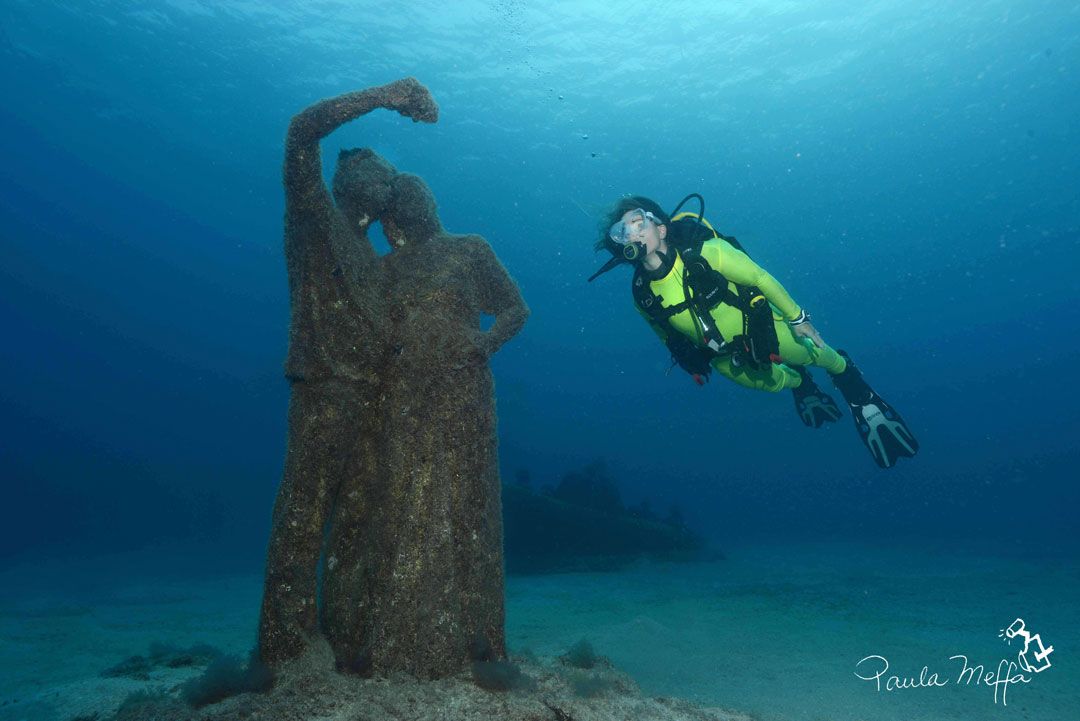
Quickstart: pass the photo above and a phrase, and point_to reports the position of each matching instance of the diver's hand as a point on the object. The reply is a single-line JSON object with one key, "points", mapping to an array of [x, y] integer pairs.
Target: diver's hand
{"points": [[807, 330]]}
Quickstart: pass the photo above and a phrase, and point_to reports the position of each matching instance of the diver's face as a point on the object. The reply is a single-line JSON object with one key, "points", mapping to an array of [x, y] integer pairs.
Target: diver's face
{"points": [[642, 229]]}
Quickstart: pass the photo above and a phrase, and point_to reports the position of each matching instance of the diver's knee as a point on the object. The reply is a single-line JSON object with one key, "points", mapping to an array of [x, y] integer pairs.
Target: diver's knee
{"points": [[783, 377]]}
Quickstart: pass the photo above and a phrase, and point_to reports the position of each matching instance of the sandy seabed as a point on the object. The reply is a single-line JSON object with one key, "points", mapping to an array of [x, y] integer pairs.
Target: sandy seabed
{"points": [[775, 632]]}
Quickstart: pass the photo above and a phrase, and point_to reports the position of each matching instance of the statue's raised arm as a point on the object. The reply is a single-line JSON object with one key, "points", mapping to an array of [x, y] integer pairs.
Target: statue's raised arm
{"points": [[328, 255], [306, 195]]}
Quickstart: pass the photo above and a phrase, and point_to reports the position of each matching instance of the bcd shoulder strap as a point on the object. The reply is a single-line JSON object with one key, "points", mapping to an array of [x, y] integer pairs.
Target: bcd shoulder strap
{"points": [[704, 288], [708, 288]]}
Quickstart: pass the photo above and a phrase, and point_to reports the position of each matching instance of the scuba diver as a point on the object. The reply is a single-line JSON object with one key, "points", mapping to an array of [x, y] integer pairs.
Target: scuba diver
{"points": [[716, 309]]}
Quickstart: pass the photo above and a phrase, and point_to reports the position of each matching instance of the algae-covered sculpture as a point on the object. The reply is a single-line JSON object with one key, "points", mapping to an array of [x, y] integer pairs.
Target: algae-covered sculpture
{"points": [[414, 572], [391, 418]]}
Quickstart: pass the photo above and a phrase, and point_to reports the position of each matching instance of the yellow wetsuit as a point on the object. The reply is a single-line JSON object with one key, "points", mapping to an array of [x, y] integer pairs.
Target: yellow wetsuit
{"points": [[737, 267]]}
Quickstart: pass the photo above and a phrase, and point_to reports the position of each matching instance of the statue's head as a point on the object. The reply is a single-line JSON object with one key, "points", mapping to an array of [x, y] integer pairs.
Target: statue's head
{"points": [[363, 185], [411, 217]]}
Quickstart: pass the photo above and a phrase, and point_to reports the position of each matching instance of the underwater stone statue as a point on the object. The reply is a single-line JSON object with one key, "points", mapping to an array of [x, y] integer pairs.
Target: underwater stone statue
{"points": [[391, 417], [414, 574]]}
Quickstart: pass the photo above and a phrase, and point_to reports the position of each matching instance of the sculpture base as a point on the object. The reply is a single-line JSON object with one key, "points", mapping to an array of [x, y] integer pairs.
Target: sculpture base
{"points": [[545, 689]]}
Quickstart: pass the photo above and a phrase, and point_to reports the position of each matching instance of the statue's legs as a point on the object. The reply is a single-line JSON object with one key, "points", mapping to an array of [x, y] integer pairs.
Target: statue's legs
{"points": [[391, 599], [414, 564], [480, 559], [356, 542], [319, 419]]}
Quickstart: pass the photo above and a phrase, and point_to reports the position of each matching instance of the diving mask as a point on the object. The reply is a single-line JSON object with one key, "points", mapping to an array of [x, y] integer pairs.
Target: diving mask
{"points": [[629, 230]]}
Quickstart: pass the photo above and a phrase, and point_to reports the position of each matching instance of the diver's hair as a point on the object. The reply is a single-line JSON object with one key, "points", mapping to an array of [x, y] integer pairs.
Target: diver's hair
{"points": [[618, 210]]}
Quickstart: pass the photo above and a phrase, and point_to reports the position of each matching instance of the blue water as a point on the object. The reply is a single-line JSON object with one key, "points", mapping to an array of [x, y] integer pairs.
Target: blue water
{"points": [[908, 170]]}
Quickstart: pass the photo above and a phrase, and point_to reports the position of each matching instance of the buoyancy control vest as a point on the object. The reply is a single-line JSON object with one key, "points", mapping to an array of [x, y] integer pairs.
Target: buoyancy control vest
{"points": [[704, 288]]}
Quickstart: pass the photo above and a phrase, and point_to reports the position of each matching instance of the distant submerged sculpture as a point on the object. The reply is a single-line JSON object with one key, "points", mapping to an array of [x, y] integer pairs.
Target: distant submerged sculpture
{"points": [[392, 450]]}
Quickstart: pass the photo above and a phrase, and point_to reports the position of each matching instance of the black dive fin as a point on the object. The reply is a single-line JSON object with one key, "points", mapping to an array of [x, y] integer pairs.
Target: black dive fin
{"points": [[881, 429], [814, 406]]}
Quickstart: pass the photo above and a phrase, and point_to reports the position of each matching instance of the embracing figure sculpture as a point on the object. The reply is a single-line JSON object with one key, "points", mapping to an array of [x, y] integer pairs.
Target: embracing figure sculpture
{"points": [[391, 478]]}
